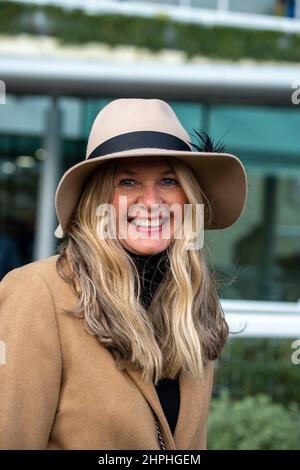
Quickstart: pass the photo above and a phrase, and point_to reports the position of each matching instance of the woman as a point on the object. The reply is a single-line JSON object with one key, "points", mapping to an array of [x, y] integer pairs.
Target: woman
{"points": [[110, 344]]}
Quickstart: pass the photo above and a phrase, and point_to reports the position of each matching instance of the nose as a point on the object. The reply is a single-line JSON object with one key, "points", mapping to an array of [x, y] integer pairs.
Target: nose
{"points": [[149, 196]]}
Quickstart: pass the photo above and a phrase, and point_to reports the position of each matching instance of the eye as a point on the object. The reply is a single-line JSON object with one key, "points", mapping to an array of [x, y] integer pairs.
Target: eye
{"points": [[167, 182], [173, 181], [122, 181]]}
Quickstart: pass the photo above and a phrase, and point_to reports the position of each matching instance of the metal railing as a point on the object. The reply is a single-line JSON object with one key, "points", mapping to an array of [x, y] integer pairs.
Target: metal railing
{"points": [[263, 319], [184, 11]]}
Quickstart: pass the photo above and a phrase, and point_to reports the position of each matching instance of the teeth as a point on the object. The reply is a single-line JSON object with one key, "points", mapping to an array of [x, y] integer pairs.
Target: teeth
{"points": [[147, 223]]}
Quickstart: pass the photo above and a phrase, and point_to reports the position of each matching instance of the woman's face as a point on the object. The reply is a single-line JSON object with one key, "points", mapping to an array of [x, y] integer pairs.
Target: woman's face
{"points": [[146, 183]]}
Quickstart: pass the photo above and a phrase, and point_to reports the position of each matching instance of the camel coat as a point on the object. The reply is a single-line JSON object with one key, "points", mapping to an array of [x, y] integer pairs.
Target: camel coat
{"points": [[61, 389]]}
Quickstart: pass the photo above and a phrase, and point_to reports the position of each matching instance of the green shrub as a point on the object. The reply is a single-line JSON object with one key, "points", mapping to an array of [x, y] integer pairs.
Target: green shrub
{"points": [[154, 33], [252, 423], [249, 366]]}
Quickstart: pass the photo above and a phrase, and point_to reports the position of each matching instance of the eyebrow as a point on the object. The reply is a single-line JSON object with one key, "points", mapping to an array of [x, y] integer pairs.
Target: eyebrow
{"points": [[135, 173]]}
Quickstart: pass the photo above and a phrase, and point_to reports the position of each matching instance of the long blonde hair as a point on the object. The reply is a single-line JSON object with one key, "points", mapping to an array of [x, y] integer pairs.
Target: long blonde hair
{"points": [[184, 325]]}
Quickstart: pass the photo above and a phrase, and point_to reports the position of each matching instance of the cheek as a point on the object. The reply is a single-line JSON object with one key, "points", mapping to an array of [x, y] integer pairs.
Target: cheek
{"points": [[121, 209], [178, 197]]}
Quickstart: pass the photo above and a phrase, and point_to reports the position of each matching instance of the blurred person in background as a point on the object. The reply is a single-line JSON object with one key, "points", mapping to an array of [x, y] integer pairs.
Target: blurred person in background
{"points": [[285, 8]]}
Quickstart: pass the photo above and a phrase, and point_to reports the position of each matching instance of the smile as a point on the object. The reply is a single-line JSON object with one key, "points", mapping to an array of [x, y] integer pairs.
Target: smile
{"points": [[144, 225]]}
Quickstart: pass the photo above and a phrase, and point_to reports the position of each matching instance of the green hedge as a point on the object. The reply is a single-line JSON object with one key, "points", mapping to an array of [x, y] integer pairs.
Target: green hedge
{"points": [[250, 366], [253, 423], [156, 33]]}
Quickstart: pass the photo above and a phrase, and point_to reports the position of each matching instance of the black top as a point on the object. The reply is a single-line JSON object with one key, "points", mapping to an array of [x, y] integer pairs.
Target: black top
{"points": [[152, 269]]}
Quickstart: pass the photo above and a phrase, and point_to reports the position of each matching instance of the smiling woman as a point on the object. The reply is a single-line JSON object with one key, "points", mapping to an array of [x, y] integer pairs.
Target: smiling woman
{"points": [[109, 339], [148, 190], [103, 259]]}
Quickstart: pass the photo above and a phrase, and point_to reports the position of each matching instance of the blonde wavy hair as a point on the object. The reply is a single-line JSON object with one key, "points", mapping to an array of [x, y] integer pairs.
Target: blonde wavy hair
{"points": [[184, 326]]}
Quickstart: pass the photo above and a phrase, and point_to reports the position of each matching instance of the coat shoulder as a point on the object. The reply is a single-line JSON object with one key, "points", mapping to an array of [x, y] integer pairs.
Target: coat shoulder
{"points": [[46, 266], [35, 291], [30, 276], [42, 266]]}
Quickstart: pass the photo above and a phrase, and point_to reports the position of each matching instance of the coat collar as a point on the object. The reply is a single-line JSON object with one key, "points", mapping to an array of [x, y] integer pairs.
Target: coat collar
{"points": [[189, 415]]}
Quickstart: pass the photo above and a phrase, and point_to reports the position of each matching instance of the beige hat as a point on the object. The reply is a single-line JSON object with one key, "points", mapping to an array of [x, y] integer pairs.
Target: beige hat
{"points": [[134, 127]]}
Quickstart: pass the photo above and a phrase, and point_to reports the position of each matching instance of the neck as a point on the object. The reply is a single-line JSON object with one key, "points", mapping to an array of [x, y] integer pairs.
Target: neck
{"points": [[150, 260], [151, 269]]}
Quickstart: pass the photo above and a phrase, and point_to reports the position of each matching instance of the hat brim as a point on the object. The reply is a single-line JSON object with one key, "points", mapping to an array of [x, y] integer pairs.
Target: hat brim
{"points": [[221, 176]]}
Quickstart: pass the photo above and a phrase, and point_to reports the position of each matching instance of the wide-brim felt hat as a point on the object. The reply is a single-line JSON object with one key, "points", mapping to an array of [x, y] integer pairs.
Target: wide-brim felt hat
{"points": [[136, 127]]}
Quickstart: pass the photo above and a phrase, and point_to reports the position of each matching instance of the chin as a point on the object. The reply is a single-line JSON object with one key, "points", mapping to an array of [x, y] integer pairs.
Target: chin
{"points": [[147, 247]]}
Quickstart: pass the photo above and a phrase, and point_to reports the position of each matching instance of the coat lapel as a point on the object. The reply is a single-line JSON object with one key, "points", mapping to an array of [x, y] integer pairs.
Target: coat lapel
{"points": [[189, 413], [150, 394]]}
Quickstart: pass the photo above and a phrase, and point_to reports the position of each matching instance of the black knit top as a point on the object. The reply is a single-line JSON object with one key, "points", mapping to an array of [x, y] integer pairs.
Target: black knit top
{"points": [[152, 269]]}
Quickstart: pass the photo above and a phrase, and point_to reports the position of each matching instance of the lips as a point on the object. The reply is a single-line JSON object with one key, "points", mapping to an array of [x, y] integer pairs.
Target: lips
{"points": [[145, 218], [147, 222], [143, 224]]}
